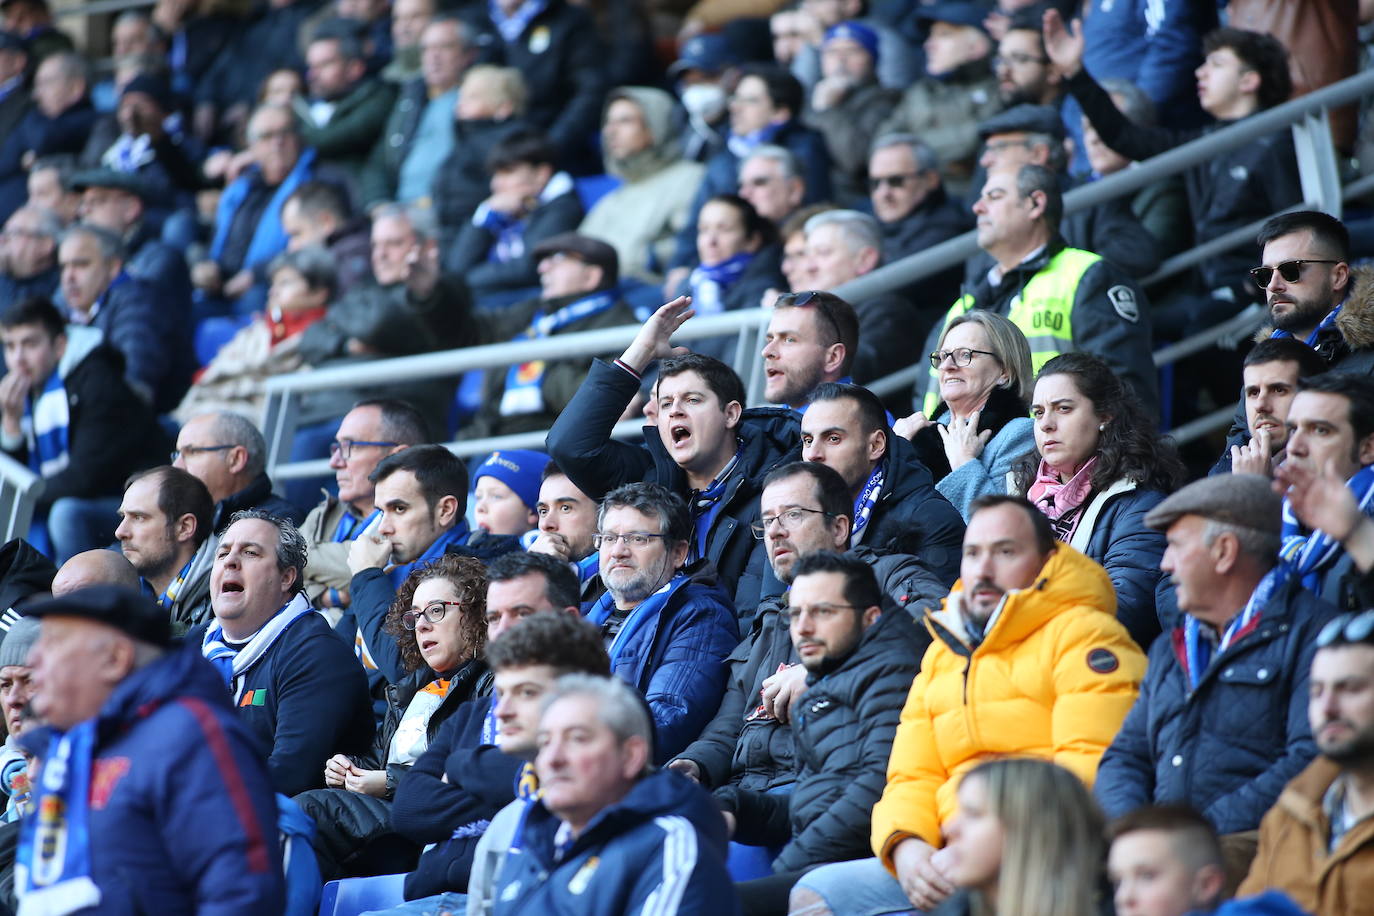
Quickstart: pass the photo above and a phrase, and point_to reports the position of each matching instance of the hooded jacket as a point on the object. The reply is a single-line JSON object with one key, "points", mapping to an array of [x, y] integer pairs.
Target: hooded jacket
{"points": [[676, 659], [1227, 747], [843, 729], [113, 432], [1294, 856], [1053, 677], [641, 217], [580, 443], [660, 849], [182, 815]]}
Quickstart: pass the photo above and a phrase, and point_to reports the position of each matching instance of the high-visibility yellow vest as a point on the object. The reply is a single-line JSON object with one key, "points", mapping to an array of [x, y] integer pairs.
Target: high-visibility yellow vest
{"points": [[1043, 310]]}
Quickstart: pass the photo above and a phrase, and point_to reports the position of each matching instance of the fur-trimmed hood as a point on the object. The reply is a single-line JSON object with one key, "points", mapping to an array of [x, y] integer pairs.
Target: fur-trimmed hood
{"points": [[1356, 320]]}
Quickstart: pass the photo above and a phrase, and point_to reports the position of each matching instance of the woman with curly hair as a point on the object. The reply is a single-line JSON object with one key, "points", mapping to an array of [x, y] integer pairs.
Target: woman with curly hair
{"points": [[439, 622], [1098, 467]]}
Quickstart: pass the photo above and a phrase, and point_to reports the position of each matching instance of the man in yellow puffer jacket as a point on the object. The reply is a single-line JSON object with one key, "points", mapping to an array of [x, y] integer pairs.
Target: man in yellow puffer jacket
{"points": [[1028, 659]]}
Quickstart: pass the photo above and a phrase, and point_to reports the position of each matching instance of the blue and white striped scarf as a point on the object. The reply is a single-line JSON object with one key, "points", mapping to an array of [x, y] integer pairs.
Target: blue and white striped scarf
{"points": [[233, 664], [524, 392], [863, 506], [709, 285], [46, 423], [1311, 555]]}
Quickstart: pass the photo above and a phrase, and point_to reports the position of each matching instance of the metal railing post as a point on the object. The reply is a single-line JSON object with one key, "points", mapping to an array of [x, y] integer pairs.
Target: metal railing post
{"points": [[1317, 167]]}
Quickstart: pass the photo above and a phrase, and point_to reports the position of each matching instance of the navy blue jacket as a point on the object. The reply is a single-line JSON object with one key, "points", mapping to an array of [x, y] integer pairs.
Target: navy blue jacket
{"points": [[314, 704], [43, 136], [912, 517], [660, 849], [1229, 747], [257, 495], [154, 333], [677, 659], [580, 442], [183, 819], [1119, 540], [427, 809]]}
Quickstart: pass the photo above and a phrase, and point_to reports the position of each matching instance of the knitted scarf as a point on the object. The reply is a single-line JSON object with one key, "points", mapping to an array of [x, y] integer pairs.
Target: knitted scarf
{"points": [[524, 393], [53, 867], [1309, 555], [710, 283], [46, 423], [232, 664]]}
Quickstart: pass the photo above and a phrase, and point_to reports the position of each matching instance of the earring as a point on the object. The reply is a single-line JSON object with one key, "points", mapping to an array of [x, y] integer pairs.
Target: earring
{"points": [[1002, 380], [1102, 427]]}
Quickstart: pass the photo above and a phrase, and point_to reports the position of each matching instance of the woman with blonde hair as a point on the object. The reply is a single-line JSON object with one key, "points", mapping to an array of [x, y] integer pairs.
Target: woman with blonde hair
{"points": [[1028, 841], [975, 424]]}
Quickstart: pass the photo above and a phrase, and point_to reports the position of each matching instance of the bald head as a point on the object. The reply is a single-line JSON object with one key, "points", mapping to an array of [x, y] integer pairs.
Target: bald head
{"points": [[94, 567]]}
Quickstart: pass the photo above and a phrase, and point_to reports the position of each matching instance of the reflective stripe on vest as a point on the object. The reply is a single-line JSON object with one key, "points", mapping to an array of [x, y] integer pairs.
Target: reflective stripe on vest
{"points": [[1043, 310]]}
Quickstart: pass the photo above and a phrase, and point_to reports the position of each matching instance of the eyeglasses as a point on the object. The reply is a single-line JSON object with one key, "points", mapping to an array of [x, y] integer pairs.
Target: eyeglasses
{"points": [[1347, 628], [822, 612], [960, 356], [789, 518], [636, 539], [1017, 59], [433, 612], [894, 181], [191, 451], [346, 446], [1291, 271], [996, 146], [812, 298]]}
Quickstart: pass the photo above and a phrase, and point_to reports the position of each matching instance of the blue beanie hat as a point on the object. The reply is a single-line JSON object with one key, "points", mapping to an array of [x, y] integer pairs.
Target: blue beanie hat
{"points": [[856, 32], [520, 469]]}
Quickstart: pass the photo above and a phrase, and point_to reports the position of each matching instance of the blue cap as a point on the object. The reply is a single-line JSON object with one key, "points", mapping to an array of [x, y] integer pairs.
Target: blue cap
{"points": [[520, 469], [854, 31], [958, 13], [711, 53]]}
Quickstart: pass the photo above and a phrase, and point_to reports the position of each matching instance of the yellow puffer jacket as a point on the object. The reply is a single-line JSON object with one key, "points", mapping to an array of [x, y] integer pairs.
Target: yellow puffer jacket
{"points": [[1053, 678]]}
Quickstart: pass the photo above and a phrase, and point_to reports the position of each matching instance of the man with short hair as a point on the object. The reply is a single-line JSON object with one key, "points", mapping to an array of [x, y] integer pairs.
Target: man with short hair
{"points": [[1317, 843], [706, 445], [478, 762], [1203, 732], [1025, 75], [294, 682], [408, 21], [28, 254], [68, 414], [1062, 298], [847, 104], [150, 330], [1028, 659], [843, 245], [59, 121], [896, 505], [229, 455], [368, 433], [149, 770], [1313, 294], [1269, 382], [164, 531], [346, 109], [668, 629], [47, 186], [812, 338], [567, 526], [859, 661], [641, 147], [914, 211], [771, 179], [1326, 480], [318, 213], [94, 567], [1034, 134], [418, 135], [655, 837], [422, 494]]}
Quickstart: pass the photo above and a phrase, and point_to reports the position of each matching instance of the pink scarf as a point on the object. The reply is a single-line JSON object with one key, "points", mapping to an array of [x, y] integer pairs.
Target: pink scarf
{"points": [[1058, 500]]}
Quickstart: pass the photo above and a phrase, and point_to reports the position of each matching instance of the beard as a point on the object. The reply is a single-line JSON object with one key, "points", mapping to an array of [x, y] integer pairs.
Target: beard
{"points": [[1356, 750], [1303, 313]]}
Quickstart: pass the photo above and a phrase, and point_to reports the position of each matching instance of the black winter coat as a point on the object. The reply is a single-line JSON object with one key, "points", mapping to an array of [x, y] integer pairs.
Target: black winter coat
{"points": [[912, 517], [467, 256], [462, 182], [1229, 747], [581, 444], [843, 728], [938, 218]]}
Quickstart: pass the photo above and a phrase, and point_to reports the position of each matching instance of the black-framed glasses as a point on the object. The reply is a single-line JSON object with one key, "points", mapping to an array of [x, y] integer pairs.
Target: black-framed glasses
{"points": [[821, 612], [894, 181], [790, 518], [345, 446], [433, 612], [1291, 271], [1347, 628], [812, 298], [191, 451], [960, 356], [636, 539]]}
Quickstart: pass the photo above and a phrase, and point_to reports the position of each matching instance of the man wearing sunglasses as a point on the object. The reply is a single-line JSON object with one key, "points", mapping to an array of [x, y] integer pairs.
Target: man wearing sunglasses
{"points": [[1220, 723], [1317, 843]]}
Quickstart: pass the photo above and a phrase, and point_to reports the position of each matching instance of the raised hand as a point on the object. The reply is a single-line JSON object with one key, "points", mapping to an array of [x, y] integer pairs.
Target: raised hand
{"points": [[652, 341], [1064, 48]]}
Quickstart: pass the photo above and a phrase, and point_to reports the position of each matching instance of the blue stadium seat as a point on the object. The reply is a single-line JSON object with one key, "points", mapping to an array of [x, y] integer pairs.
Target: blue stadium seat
{"points": [[592, 188], [352, 896]]}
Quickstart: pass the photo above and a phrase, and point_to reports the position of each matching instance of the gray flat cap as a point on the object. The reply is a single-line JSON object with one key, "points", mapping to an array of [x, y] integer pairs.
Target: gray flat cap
{"points": [[1024, 119], [1247, 500]]}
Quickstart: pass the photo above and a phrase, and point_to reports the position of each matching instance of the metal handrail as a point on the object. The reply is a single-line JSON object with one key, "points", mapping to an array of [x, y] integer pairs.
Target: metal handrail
{"points": [[20, 488]]}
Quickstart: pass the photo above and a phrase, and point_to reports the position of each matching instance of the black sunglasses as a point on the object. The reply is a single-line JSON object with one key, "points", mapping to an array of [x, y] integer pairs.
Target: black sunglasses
{"points": [[810, 298], [1289, 270], [1347, 628]]}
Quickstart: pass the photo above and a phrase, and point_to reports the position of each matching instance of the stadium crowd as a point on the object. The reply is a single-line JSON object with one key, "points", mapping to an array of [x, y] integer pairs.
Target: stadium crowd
{"points": [[990, 645]]}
